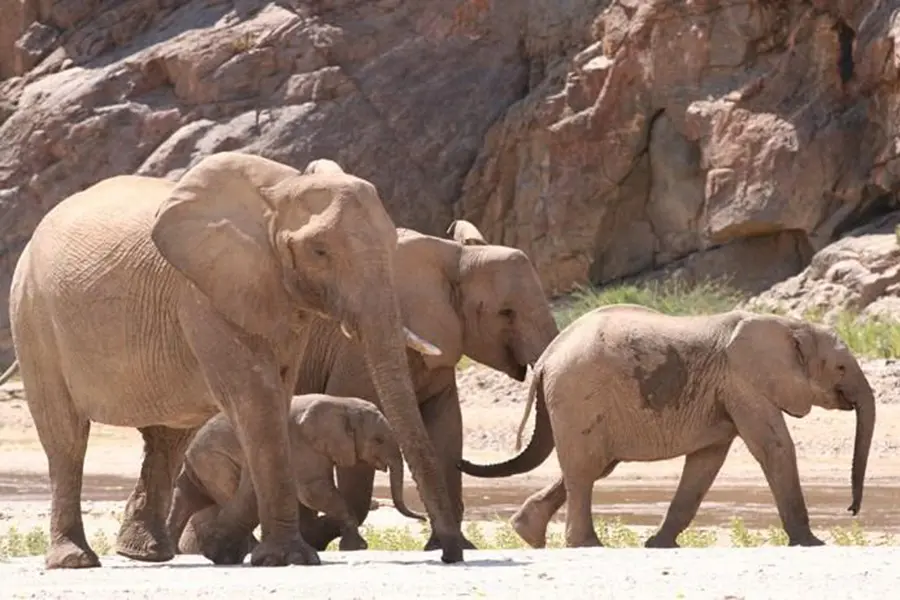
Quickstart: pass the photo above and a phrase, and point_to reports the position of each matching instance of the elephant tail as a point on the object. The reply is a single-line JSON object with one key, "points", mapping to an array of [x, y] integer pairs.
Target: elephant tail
{"points": [[538, 448], [9, 372]]}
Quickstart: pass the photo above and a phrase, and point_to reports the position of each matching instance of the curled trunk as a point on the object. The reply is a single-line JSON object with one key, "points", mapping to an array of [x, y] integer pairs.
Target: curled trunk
{"points": [[537, 450], [864, 401], [395, 473]]}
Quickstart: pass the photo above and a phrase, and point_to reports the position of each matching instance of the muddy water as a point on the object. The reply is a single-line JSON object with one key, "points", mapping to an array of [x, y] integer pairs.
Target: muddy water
{"points": [[641, 506]]}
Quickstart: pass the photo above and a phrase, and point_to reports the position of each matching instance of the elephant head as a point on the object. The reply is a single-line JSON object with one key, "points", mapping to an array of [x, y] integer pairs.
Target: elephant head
{"points": [[795, 365], [481, 300], [267, 244], [376, 446]]}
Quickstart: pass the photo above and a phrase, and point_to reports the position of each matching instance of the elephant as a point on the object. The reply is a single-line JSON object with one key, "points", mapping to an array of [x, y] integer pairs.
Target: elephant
{"points": [[480, 300], [155, 304], [324, 431], [632, 384]]}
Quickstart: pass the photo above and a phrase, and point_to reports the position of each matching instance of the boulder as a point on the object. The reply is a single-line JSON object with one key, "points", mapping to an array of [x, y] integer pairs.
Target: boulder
{"points": [[859, 273]]}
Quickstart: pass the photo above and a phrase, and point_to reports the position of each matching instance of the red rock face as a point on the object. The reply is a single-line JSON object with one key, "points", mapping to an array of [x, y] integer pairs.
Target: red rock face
{"points": [[604, 139]]}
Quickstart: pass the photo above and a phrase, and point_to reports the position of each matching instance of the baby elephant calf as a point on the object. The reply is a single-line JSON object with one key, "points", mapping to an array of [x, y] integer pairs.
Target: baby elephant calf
{"points": [[214, 486]]}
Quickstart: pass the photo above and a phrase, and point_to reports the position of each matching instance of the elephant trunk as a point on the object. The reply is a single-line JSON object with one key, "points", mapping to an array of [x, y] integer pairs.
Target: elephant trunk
{"points": [[538, 448], [395, 473], [864, 401], [384, 344]]}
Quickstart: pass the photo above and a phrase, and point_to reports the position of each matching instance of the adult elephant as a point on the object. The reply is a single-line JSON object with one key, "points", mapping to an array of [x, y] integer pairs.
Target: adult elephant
{"points": [[146, 303], [468, 297]]}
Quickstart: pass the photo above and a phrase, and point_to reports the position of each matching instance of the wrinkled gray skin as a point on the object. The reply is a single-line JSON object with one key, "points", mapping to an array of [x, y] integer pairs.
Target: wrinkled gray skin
{"points": [[467, 297], [324, 432], [631, 384], [142, 302]]}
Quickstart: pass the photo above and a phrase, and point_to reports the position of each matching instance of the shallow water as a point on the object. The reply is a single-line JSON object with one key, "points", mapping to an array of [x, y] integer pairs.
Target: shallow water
{"points": [[636, 505]]}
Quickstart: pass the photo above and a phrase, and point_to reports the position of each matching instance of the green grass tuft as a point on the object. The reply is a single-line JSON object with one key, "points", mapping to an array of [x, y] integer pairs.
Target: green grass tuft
{"points": [[497, 534]]}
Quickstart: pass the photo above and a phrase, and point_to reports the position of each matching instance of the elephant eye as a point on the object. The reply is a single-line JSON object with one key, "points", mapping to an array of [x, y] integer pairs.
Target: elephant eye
{"points": [[508, 313]]}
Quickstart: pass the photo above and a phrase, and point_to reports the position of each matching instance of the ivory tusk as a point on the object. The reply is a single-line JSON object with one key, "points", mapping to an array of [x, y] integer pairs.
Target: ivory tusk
{"points": [[346, 331], [420, 344]]}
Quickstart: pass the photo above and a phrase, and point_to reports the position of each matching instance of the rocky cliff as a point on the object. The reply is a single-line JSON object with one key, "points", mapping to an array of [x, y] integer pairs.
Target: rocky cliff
{"points": [[603, 138]]}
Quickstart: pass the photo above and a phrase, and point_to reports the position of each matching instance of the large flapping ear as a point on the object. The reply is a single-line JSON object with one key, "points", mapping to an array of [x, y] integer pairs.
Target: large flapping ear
{"points": [[330, 431], [770, 356], [214, 229], [465, 233], [426, 274]]}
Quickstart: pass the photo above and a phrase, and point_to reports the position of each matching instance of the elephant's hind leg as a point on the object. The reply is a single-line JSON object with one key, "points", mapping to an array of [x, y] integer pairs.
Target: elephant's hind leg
{"points": [[63, 434], [697, 476], [533, 517], [143, 535]]}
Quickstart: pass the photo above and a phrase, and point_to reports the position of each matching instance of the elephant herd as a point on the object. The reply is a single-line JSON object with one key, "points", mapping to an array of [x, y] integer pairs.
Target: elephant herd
{"points": [[249, 318]]}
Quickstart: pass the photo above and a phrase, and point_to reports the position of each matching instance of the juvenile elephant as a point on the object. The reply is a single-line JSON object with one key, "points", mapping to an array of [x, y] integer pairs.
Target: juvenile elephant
{"points": [[477, 299], [324, 432], [631, 384], [142, 302]]}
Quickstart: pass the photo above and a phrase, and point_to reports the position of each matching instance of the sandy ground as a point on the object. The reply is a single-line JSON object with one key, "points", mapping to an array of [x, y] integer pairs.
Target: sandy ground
{"points": [[492, 408], [729, 573]]}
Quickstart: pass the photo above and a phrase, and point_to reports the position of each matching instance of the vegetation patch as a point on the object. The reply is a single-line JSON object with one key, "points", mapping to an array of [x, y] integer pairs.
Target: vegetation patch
{"points": [[497, 534]]}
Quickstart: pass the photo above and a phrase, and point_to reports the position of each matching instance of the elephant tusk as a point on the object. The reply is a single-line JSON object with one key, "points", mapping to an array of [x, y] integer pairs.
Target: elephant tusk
{"points": [[346, 331], [420, 344]]}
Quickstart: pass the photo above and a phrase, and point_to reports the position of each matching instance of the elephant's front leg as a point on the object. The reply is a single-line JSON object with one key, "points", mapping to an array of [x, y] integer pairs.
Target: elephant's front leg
{"points": [[244, 377], [443, 420], [322, 496], [697, 476], [761, 425], [143, 534], [355, 484]]}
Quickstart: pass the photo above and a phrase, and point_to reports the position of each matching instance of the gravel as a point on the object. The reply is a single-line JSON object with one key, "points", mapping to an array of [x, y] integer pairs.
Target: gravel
{"points": [[721, 573]]}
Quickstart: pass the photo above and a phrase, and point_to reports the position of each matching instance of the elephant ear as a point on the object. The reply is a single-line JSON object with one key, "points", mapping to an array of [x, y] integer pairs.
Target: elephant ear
{"points": [[771, 356], [465, 233], [331, 432], [214, 228], [322, 165], [427, 277]]}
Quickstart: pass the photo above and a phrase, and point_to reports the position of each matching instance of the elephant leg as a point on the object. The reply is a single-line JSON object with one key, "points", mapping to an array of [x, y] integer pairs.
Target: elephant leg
{"points": [[63, 434], [533, 517], [187, 500], [322, 496], [697, 476], [143, 535], [189, 540], [579, 523], [355, 485], [762, 427], [244, 378], [443, 421]]}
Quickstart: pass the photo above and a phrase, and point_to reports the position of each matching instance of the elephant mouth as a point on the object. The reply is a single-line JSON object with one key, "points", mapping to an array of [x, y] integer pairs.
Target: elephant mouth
{"points": [[843, 403]]}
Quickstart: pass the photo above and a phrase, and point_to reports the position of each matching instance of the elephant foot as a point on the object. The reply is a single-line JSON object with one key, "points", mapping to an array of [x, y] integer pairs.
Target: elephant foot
{"points": [[805, 540], [658, 541], [434, 543], [66, 554], [530, 528], [590, 540], [138, 540], [279, 553], [352, 541]]}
